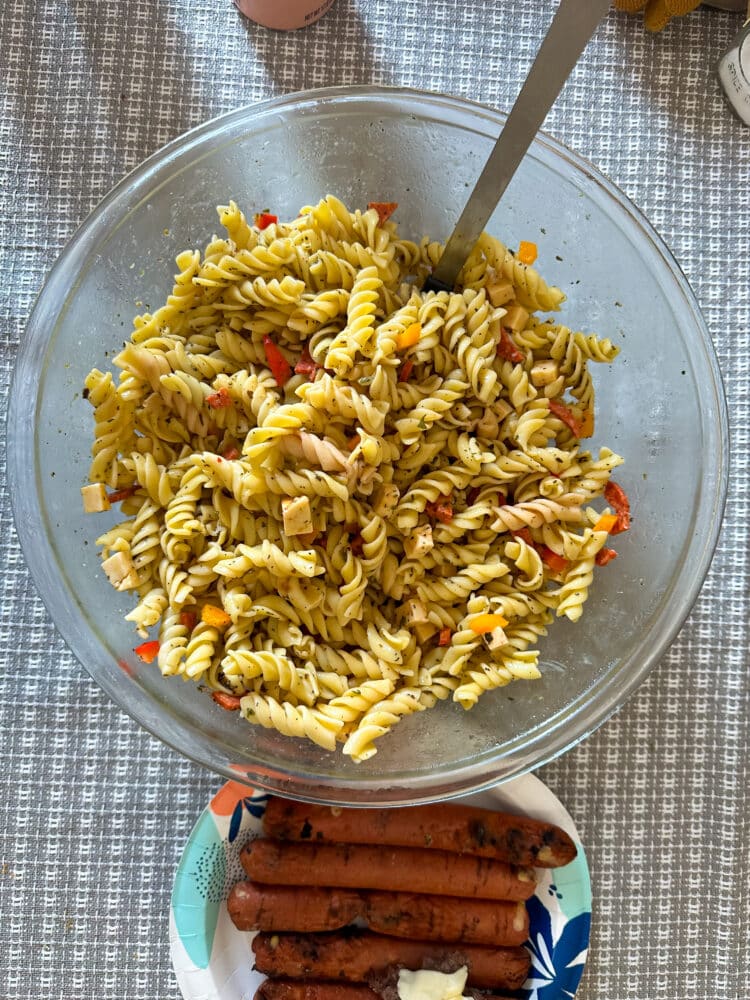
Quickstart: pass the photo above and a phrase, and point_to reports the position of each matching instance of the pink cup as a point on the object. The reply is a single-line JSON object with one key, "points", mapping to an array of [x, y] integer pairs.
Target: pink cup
{"points": [[283, 15]]}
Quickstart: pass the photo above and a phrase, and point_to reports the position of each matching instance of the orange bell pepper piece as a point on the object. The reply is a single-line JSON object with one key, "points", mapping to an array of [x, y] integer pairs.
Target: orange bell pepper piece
{"points": [[487, 623], [527, 252]]}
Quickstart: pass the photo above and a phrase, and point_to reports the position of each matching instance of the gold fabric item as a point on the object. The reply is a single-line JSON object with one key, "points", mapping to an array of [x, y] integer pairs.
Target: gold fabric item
{"points": [[658, 13]]}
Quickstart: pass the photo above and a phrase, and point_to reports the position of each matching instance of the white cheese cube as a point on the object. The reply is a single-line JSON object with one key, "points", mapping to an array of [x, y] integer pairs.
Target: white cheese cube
{"points": [[516, 318], [424, 631], [120, 571], [416, 612], [544, 372], [419, 542], [495, 639], [94, 498], [297, 516], [499, 292]]}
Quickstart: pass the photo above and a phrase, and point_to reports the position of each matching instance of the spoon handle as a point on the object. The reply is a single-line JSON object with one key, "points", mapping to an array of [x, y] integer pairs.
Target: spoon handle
{"points": [[572, 26]]}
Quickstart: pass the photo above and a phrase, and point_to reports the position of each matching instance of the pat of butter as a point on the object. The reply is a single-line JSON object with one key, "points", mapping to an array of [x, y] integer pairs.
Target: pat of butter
{"points": [[425, 984]]}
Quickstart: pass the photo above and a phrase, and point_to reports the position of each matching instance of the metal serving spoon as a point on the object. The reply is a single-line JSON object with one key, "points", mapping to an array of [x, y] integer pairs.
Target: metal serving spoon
{"points": [[571, 28]]}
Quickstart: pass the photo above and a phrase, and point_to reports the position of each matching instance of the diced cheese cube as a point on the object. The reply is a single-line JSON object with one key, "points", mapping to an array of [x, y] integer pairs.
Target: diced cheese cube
{"points": [[120, 571], [516, 318], [499, 292], [495, 639], [544, 372], [297, 515], [419, 542], [94, 498], [386, 499], [424, 631], [416, 612]]}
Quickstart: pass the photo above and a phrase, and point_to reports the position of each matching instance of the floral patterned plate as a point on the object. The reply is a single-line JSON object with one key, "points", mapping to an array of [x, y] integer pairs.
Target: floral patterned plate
{"points": [[213, 960]]}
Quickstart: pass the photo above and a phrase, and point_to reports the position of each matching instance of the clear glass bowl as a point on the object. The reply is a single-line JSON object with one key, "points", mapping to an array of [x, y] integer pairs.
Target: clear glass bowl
{"points": [[661, 405]]}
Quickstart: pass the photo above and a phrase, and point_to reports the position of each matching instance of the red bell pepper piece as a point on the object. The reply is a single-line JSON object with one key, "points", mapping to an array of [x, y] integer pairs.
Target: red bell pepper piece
{"points": [[385, 209], [405, 370], [123, 494], [231, 702], [231, 453], [220, 399], [264, 219], [188, 620], [147, 651], [280, 367], [604, 556], [565, 414], [555, 562], [508, 349], [441, 509], [525, 534], [306, 364], [444, 639], [617, 498]]}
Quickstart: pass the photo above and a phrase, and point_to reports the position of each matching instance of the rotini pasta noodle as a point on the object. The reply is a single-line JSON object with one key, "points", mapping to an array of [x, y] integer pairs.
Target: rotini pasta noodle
{"points": [[336, 487]]}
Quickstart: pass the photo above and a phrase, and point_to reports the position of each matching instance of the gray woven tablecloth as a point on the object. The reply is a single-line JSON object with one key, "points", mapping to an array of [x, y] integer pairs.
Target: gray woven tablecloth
{"points": [[94, 812]]}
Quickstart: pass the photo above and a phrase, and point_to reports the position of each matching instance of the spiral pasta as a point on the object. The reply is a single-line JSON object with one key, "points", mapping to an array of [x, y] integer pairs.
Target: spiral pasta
{"points": [[347, 499]]}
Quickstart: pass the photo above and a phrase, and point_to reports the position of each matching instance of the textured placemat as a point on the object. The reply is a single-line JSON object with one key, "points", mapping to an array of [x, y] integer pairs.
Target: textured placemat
{"points": [[93, 811]]}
